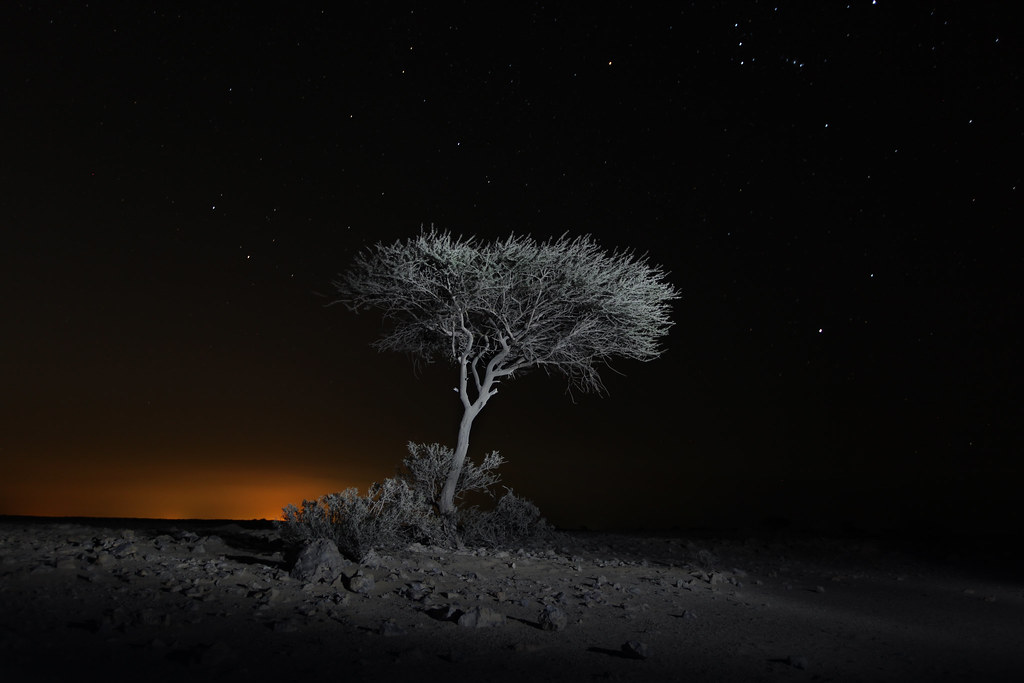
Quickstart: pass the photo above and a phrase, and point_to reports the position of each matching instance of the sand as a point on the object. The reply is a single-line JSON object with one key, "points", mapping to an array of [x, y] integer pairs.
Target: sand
{"points": [[146, 600]]}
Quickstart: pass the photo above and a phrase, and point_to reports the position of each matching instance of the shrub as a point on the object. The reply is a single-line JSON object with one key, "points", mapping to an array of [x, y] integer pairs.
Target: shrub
{"points": [[426, 470], [403, 509], [389, 515], [513, 521]]}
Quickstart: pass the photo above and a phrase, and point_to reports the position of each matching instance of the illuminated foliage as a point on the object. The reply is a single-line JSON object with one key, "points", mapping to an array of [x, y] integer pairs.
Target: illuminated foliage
{"points": [[499, 309]]}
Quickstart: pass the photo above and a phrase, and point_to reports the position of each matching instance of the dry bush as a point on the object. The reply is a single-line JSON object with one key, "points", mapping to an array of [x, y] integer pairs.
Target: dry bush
{"points": [[513, 521], [426, 470], [391, 514], [402, 509]]}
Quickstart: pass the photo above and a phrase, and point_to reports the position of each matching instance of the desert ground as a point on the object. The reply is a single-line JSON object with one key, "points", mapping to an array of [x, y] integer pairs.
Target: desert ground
{"points": [[157, 600]]}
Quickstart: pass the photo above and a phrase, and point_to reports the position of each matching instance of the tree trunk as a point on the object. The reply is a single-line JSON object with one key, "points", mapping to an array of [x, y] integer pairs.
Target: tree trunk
{"points": [[470, 409], [446, 502]]}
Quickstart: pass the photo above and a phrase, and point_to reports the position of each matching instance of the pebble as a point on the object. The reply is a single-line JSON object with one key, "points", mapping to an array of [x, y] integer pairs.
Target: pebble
{"points": [[318, 562], [361, 583], [635, 650], [390, 628], [481, 617], [552, 619]]}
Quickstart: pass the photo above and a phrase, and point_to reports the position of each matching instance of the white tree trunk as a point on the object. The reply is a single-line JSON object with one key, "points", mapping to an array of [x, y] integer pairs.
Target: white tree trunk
{"points": [[446, 503]]}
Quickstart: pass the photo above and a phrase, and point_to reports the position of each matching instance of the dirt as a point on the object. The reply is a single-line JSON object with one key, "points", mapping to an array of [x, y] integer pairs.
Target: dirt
{"points": [[148, 600]]}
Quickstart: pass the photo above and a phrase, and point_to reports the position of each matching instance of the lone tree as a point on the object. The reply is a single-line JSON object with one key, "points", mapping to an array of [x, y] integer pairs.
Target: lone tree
{"points": [[498, 309]]}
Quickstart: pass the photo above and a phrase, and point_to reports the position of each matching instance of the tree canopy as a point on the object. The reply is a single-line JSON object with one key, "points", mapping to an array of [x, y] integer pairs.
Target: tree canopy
{"points": [[500, 308], [564, 305]]}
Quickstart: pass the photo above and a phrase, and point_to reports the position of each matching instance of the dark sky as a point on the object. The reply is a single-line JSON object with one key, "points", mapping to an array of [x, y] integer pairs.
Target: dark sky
{"points": [[833, 187]]}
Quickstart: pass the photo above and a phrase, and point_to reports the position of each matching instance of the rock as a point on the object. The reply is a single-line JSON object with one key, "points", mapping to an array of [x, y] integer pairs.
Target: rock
{"points": [[390, 628], [186, 536], [445, 613], [319, 561], [285, 626], [416, 591], [481, 617], [361, 583], [372, 560], [152, 617], [123, 549], [528, 647], [552, 619], [797, 662], [635, 650]]}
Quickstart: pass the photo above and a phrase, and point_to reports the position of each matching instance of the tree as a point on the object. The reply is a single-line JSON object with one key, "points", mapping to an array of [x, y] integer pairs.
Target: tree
{"points": [[498, 309]]}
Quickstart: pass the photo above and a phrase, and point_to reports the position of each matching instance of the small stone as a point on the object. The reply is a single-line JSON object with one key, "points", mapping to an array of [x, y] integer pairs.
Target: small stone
{"points": [[528, 647], [416, 591], [372, 560], [481, 617], [797, 662], [123, 549], [552, 619], [361, 583], [319, 561], [285, 626], [152, 617], [390, 628], [635, 650]]}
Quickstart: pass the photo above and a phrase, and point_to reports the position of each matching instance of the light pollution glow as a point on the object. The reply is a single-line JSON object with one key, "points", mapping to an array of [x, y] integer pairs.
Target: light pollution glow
{"points": [[162, 493]]}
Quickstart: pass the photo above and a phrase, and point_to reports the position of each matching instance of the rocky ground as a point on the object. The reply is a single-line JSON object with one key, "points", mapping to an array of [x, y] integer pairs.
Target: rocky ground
{"points": [[151, 600]]}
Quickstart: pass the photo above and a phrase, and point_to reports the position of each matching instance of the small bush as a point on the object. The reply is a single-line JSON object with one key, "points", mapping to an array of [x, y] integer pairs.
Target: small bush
{"points": [[389, 515], [513, 521], [426, 470], [402, 509]]}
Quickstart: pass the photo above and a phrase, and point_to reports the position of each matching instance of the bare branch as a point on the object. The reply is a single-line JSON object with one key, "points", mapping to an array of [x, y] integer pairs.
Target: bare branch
{"points": [[564, 305]]}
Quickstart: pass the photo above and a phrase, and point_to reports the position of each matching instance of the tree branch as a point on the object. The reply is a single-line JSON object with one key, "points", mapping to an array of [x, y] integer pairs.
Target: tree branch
{"points": [[564, 305]]}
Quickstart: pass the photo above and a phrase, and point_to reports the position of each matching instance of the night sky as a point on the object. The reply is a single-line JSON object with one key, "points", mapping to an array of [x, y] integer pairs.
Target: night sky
{"points": [[833, 187]]}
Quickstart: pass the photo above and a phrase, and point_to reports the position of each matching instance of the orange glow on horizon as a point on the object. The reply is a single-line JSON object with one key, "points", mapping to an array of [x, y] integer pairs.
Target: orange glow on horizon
{"points": [[105, 491]]}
